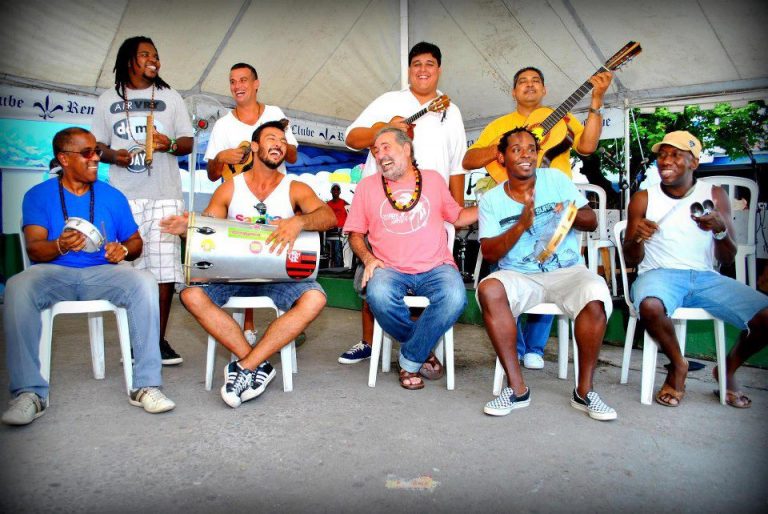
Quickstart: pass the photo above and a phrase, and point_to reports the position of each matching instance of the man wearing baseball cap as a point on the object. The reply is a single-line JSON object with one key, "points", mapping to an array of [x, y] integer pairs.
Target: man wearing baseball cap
{"points": [[675, 253]]}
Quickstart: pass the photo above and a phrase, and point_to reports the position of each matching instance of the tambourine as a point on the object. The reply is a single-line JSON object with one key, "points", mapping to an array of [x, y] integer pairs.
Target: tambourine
{"points": [[567, 218], [94, 240]]}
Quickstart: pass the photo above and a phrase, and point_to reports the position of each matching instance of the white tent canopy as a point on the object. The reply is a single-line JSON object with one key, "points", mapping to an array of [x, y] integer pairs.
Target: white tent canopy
{"points": [[327, 59]]}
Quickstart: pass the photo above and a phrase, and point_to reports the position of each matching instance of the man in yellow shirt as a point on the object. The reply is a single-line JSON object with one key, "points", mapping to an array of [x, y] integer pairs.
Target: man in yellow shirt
{"points": [[529, 91]]}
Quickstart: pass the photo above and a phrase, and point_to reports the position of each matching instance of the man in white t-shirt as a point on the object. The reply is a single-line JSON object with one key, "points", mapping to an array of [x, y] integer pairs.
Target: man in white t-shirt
{"points": [[438, 136], [224, 146]]}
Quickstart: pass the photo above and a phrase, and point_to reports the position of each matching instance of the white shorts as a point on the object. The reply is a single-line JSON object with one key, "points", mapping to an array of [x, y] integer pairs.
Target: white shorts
{"points": [[571, 289], [162, 252]]}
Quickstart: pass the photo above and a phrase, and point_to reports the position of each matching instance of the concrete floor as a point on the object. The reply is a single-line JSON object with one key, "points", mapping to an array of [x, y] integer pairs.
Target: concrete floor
{"points": [[336, 445]]}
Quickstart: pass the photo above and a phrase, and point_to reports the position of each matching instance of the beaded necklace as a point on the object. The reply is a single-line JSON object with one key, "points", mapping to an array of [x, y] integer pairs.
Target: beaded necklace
{"points": [[64, 203], [415, 196]]}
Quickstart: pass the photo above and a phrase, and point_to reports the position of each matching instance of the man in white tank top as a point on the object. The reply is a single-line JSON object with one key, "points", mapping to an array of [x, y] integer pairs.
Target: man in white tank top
{"points": [[674, 248], [263, 188]]}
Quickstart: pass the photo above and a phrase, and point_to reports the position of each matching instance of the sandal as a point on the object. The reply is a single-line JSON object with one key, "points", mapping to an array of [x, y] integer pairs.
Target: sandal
{"points": [[667, 393], [414, 380], [735, 399], [437, 371]]}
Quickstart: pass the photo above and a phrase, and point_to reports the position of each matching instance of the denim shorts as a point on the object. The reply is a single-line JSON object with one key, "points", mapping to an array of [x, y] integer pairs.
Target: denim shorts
{"points": [[722, 297], [284, 294]]}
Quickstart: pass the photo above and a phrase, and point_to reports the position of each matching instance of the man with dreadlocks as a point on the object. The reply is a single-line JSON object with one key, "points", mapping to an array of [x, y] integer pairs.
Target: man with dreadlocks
{"points": [[153, 188], [402, 210]]}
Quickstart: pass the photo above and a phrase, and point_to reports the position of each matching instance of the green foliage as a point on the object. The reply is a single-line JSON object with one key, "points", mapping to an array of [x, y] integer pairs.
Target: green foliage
{"points": [[723, 127]]}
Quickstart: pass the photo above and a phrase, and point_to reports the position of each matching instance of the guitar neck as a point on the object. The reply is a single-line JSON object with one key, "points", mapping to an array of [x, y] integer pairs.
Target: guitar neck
{"points": [[559, 113], [416, 116]]}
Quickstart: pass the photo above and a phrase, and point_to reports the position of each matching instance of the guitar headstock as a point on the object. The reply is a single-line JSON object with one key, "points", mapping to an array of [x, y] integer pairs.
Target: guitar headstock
{"points": [[623, 56], [439, 104]]}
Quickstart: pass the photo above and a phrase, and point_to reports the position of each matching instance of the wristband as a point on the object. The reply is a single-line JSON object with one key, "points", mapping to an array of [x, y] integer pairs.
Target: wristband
{"points": [[58, 247], [599, 111], [125, 249], [719, 236], [173, 146]]}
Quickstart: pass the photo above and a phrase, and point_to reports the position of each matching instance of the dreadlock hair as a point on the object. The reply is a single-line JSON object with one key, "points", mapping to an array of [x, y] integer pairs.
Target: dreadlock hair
{"points": [[401, 138], [125, 54], [504, 142]]}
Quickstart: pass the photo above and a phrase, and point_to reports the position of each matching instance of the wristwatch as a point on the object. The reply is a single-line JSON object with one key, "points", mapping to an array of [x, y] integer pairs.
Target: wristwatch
{"points": [[599, 111], [174, 146], [719, 236]]}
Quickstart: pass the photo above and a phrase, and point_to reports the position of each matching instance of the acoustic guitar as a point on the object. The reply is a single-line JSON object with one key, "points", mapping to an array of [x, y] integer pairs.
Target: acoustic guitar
{"points": [[230, 171], [548, 125], [439, 104]]}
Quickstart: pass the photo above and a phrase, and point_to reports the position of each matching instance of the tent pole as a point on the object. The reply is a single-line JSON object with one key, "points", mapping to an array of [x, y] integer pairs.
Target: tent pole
{"points": [[403, 44], [626, 192]]}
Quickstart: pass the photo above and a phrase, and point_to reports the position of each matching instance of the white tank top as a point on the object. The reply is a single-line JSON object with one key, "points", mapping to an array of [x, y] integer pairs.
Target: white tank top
{"points": [[679, 243], [245, 205]]}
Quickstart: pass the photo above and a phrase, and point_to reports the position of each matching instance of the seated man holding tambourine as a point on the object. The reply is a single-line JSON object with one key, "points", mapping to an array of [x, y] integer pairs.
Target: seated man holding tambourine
{"points": [[539, 261], [71, 261]]}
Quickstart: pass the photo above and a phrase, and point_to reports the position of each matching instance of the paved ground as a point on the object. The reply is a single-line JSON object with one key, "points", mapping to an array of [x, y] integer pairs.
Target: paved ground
{"points": [[336, 445]]}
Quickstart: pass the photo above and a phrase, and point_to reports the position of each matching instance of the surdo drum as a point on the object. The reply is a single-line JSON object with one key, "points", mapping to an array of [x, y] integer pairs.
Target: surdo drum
{"points": [[220, 250]]}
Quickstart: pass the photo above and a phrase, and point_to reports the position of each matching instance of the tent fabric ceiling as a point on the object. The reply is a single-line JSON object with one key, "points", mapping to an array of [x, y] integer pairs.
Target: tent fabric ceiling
{"points": [[327, 59]]}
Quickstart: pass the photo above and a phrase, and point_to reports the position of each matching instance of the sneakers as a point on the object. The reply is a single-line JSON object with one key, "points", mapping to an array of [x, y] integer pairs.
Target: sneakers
{"points": [[593, 406], [168, 356], [243, 384], [24, 409], [151, 399], [250, 336], [507, 401], [357, 353], [533, 361]]}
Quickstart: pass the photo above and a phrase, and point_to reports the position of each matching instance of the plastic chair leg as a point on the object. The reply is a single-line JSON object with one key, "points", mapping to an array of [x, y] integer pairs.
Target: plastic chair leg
{"points": [[575, 356], [631, 324], [210, 362], [562, 346], [375, 353], [721, 355], [386, 352], [498, 376], [286, 362], [96, 336], [448, 340], [124, 336], [650, 349]]}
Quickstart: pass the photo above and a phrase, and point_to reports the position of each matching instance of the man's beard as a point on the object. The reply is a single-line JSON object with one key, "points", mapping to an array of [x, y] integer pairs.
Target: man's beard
{"points": [[264, 157], [395, 172]]}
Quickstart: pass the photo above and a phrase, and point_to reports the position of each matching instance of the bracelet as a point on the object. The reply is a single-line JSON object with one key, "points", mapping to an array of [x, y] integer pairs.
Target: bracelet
{"points": [[58, 247], [125, 249], [599, 111], [719, 236]]}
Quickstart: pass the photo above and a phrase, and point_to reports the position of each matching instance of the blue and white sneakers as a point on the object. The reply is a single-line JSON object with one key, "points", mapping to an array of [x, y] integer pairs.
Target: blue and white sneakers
{"points": [[507, 401], [593, 405], [243, 384], [357, 353]]}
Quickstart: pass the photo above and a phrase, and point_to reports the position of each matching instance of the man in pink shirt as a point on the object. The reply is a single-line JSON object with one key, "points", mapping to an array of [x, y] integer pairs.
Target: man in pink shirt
{"points": [[402, 209]]}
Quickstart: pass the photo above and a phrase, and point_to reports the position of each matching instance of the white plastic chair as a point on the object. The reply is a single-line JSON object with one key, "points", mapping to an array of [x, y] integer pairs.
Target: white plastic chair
{"points": [[239, 304], [562, 336], [745, 261], [94, 309], [650, 348], [443, 350], [602, 241]]}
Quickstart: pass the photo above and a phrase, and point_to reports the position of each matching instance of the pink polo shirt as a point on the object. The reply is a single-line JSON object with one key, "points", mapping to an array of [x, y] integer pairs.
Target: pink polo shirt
{"points": [[410, 242]]}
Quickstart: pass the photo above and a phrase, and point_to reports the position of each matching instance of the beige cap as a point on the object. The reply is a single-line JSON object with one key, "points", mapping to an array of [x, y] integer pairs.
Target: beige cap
{"points": [[681, 139]]}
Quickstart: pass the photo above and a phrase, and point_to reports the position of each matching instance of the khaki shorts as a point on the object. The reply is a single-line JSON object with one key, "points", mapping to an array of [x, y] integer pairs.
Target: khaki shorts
{"points": [[571, 289], [161, 254]]}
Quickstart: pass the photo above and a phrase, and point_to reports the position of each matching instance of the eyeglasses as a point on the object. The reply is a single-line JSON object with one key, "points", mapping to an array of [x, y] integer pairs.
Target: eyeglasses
{"points": [[87, 153]]}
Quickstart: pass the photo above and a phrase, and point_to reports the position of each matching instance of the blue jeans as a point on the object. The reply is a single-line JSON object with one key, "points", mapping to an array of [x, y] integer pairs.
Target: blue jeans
{"points": [[42, 285], [447, 298], [722, 297], [532, 335]]}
